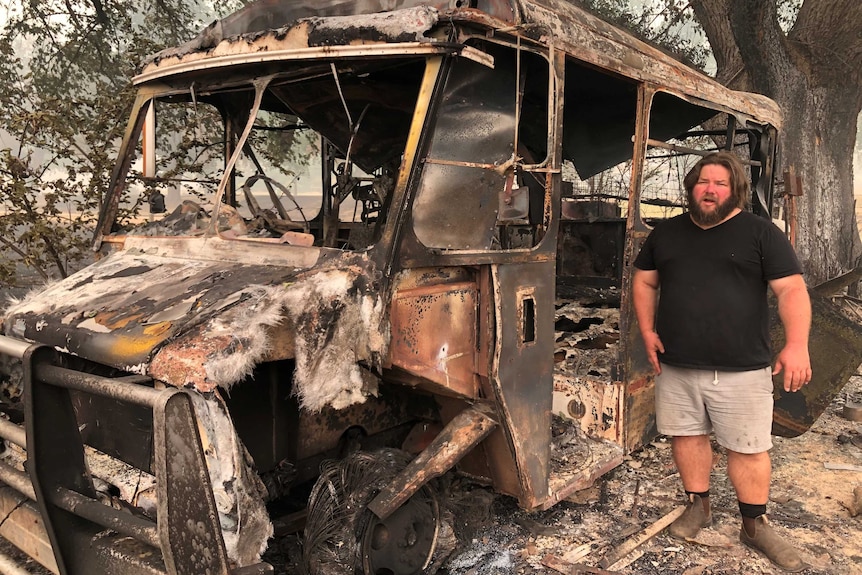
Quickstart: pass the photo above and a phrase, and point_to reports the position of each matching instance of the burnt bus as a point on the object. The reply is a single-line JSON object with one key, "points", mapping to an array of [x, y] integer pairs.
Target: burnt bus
{"points": [[397, 244]]}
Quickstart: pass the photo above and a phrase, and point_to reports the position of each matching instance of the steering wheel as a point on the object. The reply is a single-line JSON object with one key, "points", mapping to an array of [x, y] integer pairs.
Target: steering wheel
{"points": [[282, 213]]}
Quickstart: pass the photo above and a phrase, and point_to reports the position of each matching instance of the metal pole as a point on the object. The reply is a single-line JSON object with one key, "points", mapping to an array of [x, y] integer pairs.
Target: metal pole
{"points": [[8, 566], [13, 433], [13, 347]]}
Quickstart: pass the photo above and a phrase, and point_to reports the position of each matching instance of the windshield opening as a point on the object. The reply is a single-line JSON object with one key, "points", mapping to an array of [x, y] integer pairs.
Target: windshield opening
{"points": [[317, 166]]}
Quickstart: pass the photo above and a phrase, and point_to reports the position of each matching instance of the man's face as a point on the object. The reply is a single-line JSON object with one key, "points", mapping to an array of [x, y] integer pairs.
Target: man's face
{"points": [[711, 199]]}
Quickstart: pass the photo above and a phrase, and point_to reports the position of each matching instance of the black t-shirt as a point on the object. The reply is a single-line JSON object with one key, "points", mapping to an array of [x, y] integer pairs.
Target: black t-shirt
{"points": [[712, 310]]}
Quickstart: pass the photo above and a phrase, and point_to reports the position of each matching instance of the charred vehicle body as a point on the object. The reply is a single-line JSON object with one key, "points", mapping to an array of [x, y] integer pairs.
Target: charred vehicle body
{"points": [[447, 292]]}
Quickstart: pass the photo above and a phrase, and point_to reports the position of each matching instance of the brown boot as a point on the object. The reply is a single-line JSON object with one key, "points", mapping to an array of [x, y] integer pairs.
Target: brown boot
{"points": [[769, 544], [692, 520]]}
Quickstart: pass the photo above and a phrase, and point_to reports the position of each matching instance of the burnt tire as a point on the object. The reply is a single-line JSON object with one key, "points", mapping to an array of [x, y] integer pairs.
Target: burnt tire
{"points": [[343, 537]]}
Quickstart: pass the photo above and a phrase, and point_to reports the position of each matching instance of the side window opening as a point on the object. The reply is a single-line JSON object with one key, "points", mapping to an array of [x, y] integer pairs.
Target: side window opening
{"points": [[599, 118], [479, 189], [598, 127], [680, 134]]}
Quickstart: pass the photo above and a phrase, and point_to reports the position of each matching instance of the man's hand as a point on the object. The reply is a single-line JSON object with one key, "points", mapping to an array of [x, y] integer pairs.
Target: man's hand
{"points": [[654, 346], [794, 361]]}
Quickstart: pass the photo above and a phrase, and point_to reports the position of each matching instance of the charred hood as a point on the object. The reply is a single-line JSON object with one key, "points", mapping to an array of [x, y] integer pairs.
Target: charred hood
{"points": [[202, 323]]}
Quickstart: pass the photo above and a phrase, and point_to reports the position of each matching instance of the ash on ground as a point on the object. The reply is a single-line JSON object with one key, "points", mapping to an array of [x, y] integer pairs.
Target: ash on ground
{"points": [[813, 483]]}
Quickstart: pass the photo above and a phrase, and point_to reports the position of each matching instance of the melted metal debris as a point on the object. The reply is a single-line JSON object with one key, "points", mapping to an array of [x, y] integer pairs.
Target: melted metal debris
{"points": [[404, 25], [587, 334]]}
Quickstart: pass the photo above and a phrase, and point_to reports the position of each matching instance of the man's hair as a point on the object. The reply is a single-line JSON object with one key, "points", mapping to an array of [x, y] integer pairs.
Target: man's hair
{"points": [[739, 185]]}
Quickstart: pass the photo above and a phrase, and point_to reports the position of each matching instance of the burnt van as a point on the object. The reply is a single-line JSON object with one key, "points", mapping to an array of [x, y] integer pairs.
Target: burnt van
{"points": [[396, 243]]}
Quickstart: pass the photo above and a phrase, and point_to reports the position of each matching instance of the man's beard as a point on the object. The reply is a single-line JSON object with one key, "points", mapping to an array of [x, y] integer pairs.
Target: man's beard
{"points": [[702, 218]]}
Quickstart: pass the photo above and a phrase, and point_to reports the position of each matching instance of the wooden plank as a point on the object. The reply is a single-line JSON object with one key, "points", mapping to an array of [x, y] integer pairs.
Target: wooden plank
{"points": [[22, 526], [631, 544], [558, 564]]}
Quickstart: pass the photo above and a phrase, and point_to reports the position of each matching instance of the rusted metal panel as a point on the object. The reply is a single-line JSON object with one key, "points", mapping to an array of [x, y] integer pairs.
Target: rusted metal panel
{"points": [[522, 374], [639, 423], [835, 348], [434, 335], [597, 405], [492, 461]]}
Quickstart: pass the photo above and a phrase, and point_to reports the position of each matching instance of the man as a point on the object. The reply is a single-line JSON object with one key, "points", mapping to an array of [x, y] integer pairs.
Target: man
{"points": [[707, 339]]}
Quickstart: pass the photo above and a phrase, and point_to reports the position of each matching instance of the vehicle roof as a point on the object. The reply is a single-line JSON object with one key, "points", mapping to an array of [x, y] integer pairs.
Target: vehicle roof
{"points": [[276, 28]]}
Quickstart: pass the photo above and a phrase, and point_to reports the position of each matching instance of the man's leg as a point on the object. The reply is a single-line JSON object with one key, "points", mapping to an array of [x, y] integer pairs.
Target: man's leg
{"points": [[693, 457], [750, 474]]}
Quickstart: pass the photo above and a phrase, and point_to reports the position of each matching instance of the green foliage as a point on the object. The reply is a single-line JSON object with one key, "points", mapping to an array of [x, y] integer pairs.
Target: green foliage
{"points": [[672, 25], [65, 94], [668, 24]]}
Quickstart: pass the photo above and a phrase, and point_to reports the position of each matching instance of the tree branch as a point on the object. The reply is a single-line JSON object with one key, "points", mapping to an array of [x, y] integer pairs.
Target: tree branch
{"points": [[101, 16], [762, 45], [830, 34], [712, 15], [23, 255]]}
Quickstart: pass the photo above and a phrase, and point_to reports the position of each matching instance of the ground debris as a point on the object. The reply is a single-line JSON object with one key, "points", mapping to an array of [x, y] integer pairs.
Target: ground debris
{"points": [[809, 504], [842, 466], [855, 506], [630, 545], [558, 564]]}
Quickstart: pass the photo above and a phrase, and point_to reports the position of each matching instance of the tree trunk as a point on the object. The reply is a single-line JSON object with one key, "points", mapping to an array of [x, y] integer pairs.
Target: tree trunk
{"points": [[815, 77]]}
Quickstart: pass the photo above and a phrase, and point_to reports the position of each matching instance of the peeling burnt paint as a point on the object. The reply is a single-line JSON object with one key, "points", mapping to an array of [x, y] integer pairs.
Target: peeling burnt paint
{"points": [[408, 25], [205, 324]]}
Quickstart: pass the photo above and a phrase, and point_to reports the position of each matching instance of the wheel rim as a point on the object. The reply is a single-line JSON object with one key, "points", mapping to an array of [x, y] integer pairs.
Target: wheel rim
{"points": [[401, 544], [342, 536]]}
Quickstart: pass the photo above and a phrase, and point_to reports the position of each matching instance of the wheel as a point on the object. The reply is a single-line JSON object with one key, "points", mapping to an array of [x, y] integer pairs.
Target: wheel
{"points": [[343, 537]]}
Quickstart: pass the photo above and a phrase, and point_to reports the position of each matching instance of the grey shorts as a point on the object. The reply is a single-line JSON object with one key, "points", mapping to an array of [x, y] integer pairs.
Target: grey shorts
{"points": [[736, 405]]}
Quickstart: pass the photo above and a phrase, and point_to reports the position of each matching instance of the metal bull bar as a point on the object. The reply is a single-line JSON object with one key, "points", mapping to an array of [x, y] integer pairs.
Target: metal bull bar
{"points": [[87, 536]]}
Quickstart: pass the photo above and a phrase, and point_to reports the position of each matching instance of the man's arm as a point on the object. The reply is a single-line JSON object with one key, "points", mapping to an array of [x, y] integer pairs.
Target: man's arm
{"points": [[645, 286], [794, 309]]}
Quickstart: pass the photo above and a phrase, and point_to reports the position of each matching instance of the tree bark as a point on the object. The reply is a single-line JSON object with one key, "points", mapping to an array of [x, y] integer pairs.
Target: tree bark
{"points": [[814, 75]]}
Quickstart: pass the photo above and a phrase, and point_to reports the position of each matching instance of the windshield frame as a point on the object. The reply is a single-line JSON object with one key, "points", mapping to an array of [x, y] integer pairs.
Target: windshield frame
{"points": [[197, 79]]}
